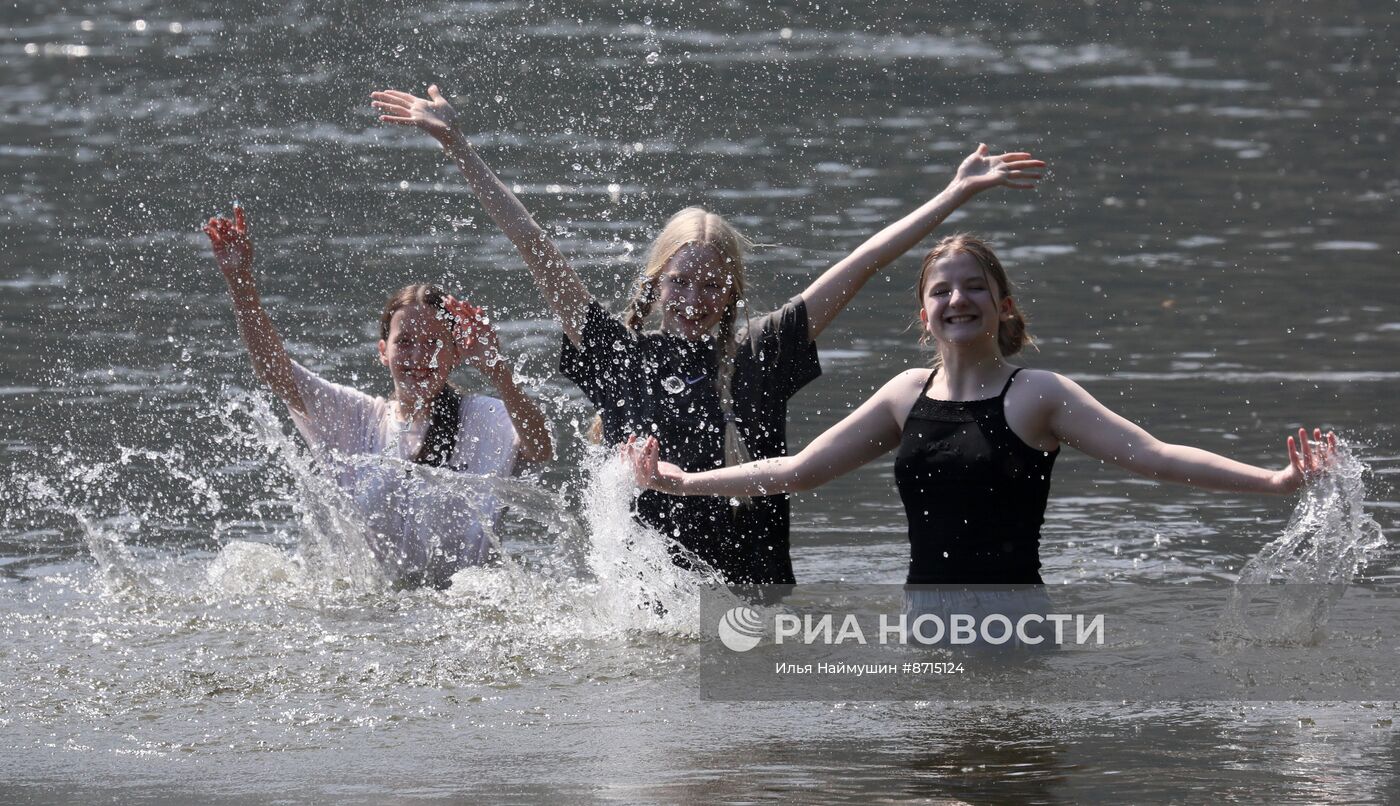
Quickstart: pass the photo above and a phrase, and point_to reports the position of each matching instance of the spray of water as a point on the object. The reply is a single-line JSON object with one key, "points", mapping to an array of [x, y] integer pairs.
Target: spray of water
{"points": [[638, 584], [1306, 569], [284, 530]]}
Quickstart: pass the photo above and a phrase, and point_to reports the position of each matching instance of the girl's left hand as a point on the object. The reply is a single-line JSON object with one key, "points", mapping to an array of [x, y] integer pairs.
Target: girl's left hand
{"points": [[982, 170], [476, 339], [1307, 461]]}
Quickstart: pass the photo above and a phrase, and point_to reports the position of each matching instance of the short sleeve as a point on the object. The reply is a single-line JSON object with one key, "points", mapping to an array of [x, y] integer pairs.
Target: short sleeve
{"points": [[783, 348], [602, 357], [337, 417]]}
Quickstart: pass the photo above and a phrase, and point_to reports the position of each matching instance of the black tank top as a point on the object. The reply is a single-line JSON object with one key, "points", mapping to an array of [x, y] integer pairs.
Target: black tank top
{"points": [[973, 491]]}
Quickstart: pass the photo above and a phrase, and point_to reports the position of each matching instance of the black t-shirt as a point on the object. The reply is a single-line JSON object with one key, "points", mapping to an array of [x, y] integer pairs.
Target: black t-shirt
{"points": [[658, 384]]}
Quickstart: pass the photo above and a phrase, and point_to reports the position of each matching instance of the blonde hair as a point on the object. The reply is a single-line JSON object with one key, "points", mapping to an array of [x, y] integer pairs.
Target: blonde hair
{"points": [[697, 226], [1012, 333]]}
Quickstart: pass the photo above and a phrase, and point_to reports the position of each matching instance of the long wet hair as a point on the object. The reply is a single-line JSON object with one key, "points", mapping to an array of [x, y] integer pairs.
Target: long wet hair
{"points": [[697, 226], [1012, 333], [445, 411]]}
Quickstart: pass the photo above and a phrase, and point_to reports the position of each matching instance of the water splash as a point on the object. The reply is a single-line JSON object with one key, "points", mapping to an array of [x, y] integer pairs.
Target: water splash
{"points": [[1329, 536], [638, 584], [1306, 569]]}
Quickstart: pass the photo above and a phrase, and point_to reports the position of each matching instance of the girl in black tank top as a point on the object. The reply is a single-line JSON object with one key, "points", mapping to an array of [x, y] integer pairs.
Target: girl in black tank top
{"points": [[974, 493], [974, 473]]}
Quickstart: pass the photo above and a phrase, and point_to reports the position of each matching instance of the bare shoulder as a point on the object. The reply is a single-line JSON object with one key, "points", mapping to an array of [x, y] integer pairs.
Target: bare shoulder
{"points": [[1043, 382], [902, 391], [1032, 403], [908, 383], [1040, 390]]}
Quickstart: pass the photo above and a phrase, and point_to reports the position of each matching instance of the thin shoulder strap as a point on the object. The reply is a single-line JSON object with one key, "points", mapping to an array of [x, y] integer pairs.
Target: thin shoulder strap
{"points": [[929, 382], [1007, 387]]}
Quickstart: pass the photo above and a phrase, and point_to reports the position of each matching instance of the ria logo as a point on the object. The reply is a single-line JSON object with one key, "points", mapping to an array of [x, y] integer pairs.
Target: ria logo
{"points": [[741, 629]]}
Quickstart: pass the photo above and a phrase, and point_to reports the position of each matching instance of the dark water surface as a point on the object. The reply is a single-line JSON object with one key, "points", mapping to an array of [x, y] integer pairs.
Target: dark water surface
{"points": [[1213, 254]]}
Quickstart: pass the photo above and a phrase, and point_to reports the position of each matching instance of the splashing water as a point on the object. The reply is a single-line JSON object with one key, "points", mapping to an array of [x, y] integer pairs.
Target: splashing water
{"points": [[639, 586], [1329, 536], [595, 574], [1306, 569]]}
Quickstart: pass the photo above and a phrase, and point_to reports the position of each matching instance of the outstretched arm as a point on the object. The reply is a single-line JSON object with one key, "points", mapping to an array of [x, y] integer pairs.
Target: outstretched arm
{"points": [[1083, 422], [233, 251], [481, 348], [863, 435], [563, 290], [829, 294]]}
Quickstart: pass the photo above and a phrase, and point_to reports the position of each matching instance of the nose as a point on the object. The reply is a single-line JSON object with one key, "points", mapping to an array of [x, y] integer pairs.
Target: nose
{"points": [[683, 299]]}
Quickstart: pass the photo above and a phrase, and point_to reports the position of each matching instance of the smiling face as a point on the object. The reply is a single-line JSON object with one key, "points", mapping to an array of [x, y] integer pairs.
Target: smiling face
{"points": [[694, 288], [961, 304], [420, 354]]}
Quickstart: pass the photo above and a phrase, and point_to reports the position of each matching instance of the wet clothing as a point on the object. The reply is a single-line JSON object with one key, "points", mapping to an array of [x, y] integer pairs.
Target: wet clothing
{"points": [[658, 384], [974, 493], [420, 525]]}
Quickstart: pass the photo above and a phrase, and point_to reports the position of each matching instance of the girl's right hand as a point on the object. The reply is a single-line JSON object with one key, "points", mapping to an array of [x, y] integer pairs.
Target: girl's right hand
{"points": [[233, 249], [433, 114], [649, 472]]}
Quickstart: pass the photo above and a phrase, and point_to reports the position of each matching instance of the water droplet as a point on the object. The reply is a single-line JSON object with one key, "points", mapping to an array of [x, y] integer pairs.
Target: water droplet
{"points": [[673, 385], [653, 57]]}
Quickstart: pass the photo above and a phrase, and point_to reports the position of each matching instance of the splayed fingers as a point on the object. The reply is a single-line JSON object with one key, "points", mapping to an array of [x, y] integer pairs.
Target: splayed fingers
{"points": [[433, 114], [1312, 458], [982, 169]]}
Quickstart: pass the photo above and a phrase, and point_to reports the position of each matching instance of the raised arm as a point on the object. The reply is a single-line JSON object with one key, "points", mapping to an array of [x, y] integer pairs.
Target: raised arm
{"points": [[1079, 420], [866, 433], [233, 251], [563, 290], [829, 294], [480, 347]]}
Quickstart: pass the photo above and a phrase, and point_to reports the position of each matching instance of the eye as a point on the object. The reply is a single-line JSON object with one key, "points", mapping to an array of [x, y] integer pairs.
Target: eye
{"points": [[940, 292]]}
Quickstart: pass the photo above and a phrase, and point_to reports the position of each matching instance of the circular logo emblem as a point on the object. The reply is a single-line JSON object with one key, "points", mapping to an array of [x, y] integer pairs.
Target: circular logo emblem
{"points": [[741, 629]]}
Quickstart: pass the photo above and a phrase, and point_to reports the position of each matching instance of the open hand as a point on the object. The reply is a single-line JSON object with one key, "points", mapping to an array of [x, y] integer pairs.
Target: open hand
{"points": [[648, 470], [1307, 460], [233, 249], [433, 114], [981, 170]]}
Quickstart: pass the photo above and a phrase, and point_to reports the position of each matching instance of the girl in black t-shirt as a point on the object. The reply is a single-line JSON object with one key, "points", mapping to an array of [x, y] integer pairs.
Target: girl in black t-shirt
{"points": [[714, 382]]}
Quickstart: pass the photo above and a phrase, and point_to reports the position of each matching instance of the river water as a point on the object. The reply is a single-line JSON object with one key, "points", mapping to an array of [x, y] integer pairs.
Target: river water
{"points": [[1212, 254]]}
